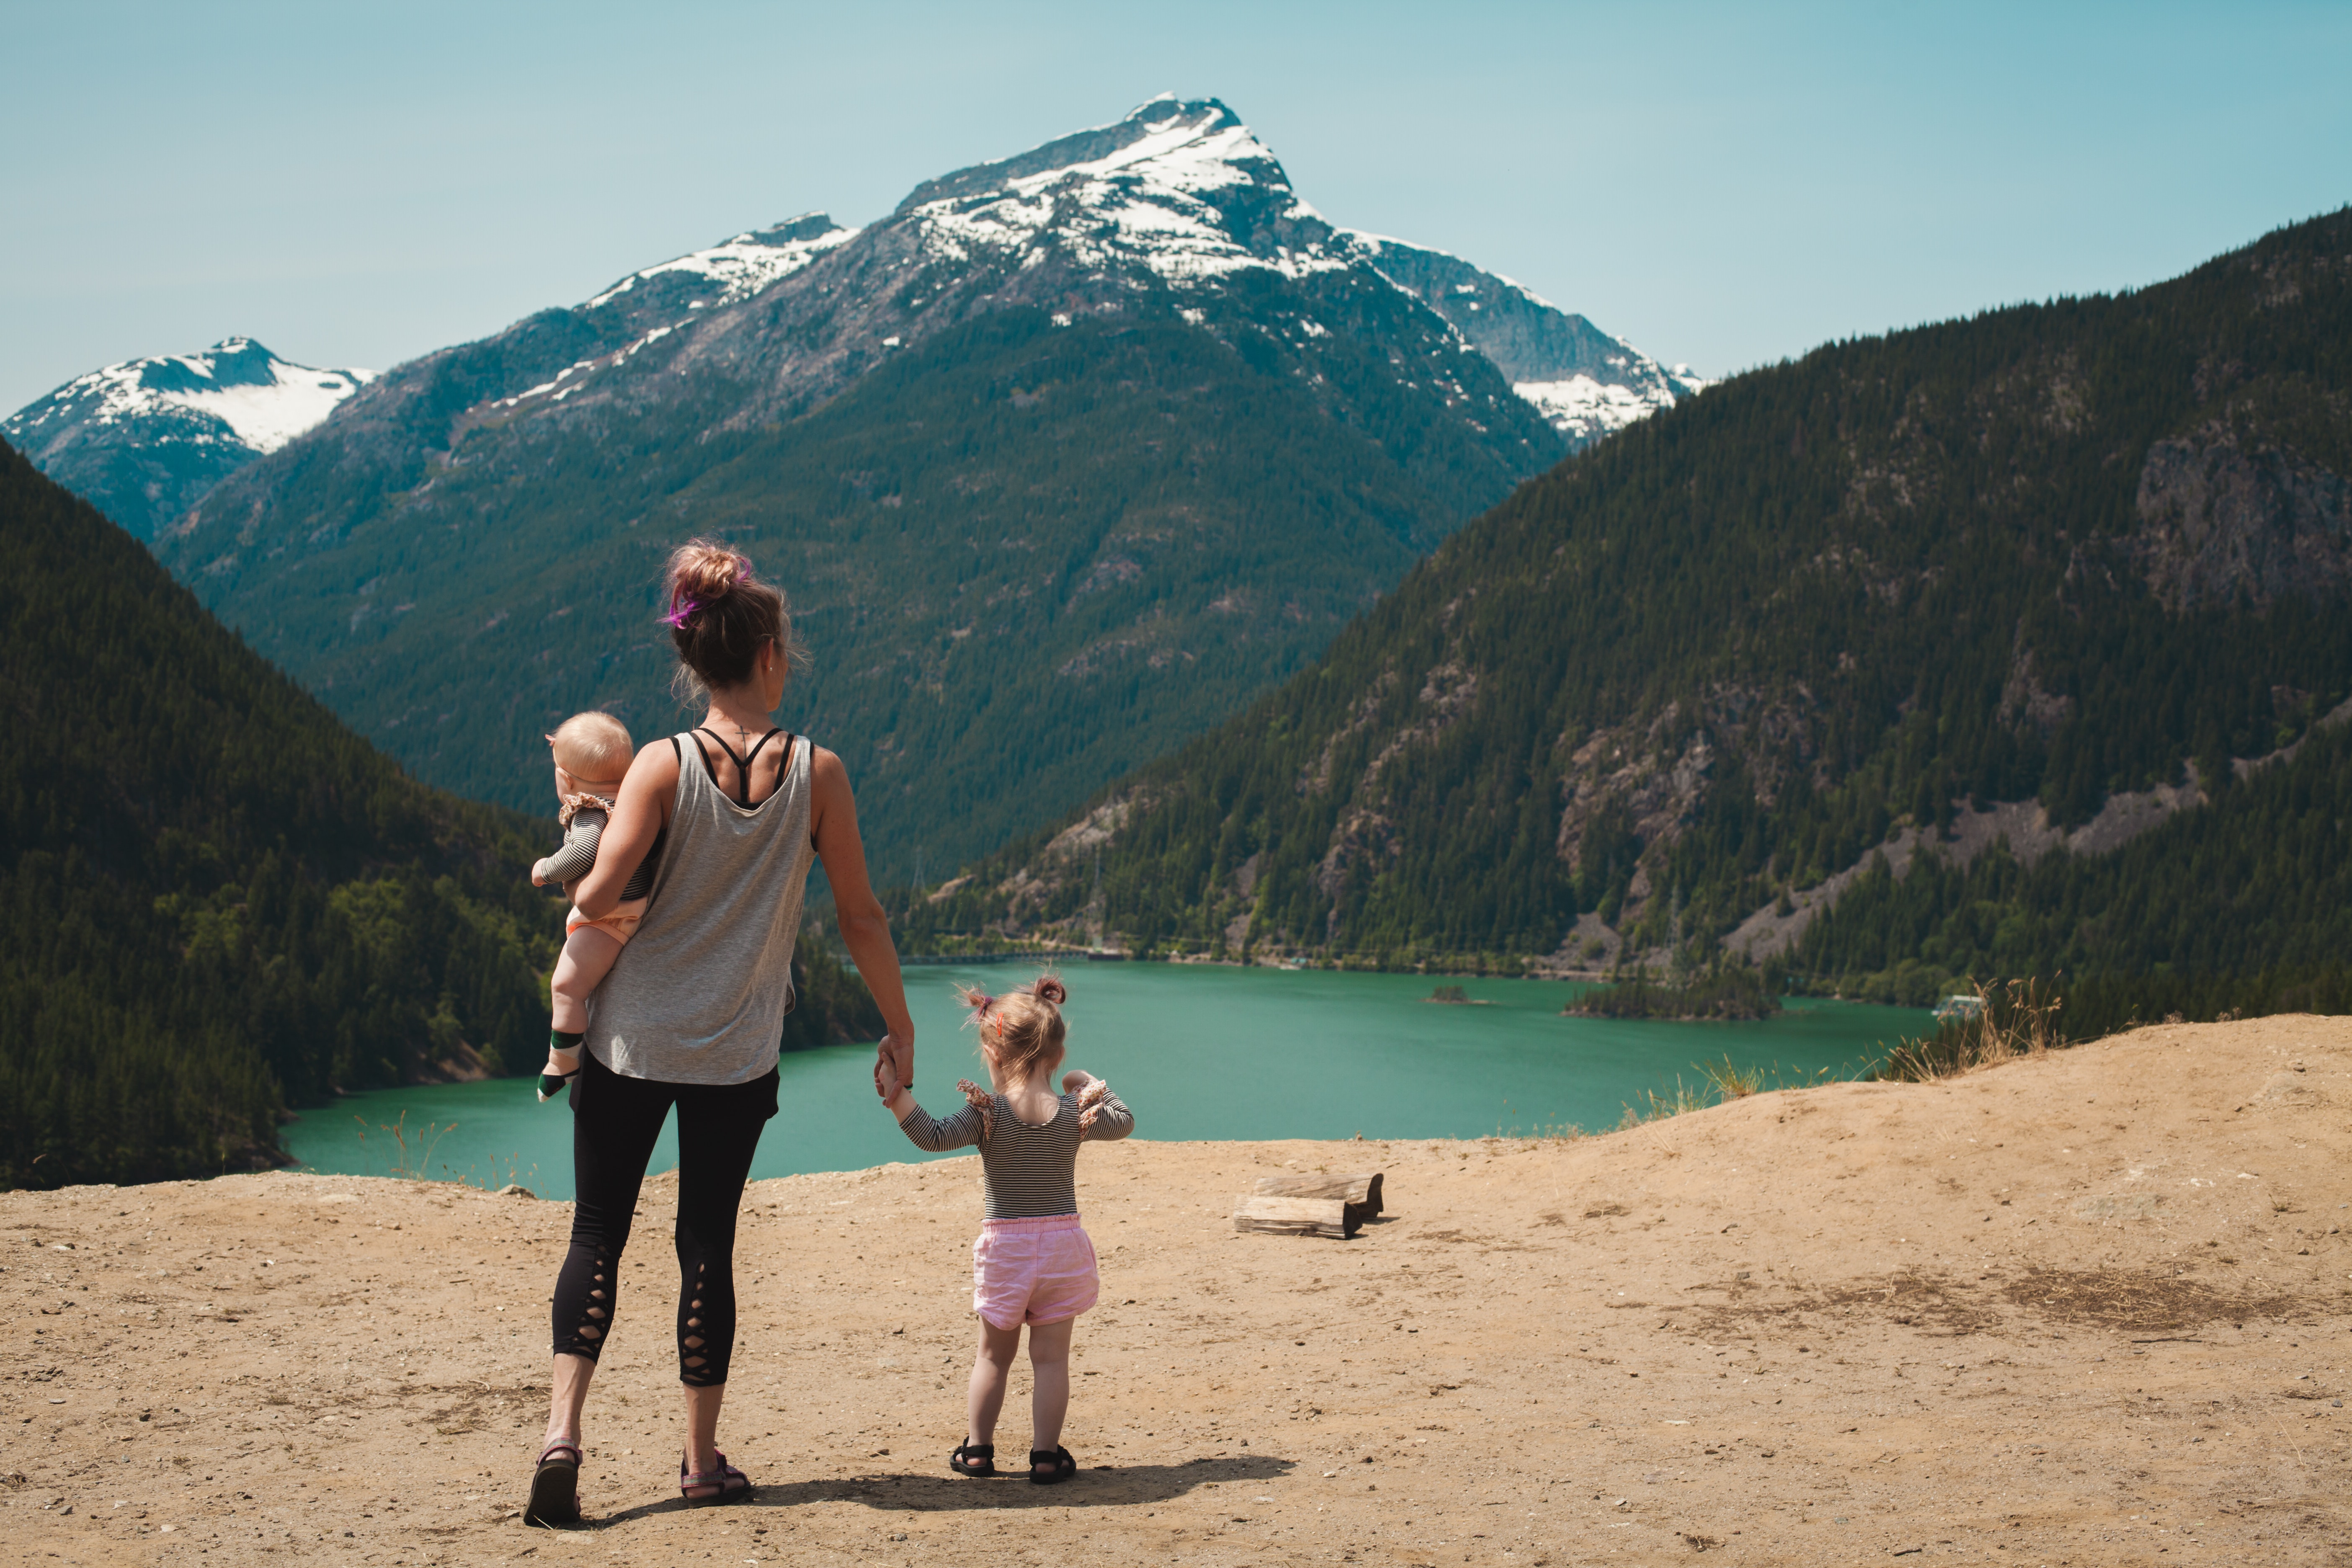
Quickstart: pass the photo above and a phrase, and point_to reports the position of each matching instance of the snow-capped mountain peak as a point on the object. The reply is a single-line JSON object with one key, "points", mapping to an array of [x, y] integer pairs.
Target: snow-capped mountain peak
{"points": [[1181, 187], [1182, 191], [144, 438], [259, 401]]}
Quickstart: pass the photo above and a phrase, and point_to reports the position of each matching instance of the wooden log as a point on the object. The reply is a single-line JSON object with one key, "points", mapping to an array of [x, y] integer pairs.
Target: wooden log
{"points": [[1362, 1187], [1294, 1216], [1361, 1191]]}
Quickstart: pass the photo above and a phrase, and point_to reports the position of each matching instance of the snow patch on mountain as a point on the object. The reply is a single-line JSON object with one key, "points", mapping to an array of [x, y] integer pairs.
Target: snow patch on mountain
{"points": [[1584, 408], [741, 267], [245, 394], [1160, 198]]}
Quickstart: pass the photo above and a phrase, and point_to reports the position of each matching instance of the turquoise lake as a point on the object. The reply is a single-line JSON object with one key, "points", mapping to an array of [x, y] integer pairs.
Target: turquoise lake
{"points": [[1198, 1051]]}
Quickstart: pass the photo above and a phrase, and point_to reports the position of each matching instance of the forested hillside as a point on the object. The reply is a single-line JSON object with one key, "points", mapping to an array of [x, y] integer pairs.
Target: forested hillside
{"points": [[219, 900], [1061, 461], [2057, 570]]}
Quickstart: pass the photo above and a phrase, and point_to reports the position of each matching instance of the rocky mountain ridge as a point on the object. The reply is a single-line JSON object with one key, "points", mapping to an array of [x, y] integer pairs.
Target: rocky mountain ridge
{"points": [[1278, 416]]}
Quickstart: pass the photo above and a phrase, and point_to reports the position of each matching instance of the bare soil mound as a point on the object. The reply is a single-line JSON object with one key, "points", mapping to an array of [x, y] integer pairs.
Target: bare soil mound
{"points": [[2091, 1308]]}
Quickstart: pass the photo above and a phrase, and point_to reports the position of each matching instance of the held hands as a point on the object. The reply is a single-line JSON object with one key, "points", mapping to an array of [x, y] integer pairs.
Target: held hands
{"points": [[898, 1056], [886, 1081]]}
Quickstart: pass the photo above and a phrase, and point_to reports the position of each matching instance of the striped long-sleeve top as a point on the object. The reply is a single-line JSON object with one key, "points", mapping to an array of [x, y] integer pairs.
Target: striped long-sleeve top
{"points": [[1026, 1171], [584, 819]]}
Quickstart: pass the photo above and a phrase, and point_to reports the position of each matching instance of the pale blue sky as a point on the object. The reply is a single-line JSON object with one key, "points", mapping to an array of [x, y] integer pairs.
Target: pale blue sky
{"points": [[1723, 184]]}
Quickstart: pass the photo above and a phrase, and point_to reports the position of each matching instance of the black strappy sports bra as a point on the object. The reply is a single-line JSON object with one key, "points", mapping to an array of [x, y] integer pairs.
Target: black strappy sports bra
{"points": [[743, 764]]}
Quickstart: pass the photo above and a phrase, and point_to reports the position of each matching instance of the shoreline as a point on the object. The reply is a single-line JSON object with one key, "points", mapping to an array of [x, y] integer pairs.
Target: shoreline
{"points": [[2036, 1308]]}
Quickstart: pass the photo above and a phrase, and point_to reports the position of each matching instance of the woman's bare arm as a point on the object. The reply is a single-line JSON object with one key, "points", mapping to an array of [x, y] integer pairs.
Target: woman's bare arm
{"points": [[864, 928], [638, 817]]}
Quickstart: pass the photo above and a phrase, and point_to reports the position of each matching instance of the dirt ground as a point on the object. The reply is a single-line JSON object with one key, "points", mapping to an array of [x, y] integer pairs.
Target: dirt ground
{"points": [[2091, 1309]]}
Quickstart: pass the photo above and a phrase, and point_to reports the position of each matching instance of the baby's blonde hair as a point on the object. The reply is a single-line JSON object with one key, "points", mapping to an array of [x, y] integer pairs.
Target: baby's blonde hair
{"points": [[593, 747], [1024, 1025]]}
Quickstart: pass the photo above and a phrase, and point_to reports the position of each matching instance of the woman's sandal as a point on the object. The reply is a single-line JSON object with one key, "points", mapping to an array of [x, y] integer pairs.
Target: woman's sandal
{"points": [[555, 1488], [974, 1459], [725, 1484], [1063, 1466]]}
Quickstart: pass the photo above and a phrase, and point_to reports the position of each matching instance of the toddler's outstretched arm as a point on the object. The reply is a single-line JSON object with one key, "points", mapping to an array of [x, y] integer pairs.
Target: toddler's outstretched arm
{"points": [[1102, 1117], [964, 1130]]}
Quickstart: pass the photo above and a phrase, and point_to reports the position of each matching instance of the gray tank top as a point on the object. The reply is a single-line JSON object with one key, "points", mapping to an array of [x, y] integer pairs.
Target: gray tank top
{"points": [[701, 993]]}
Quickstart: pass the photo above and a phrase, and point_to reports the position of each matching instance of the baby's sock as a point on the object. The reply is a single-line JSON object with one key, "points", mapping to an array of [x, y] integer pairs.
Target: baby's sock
{"points": [[551, 1083]]}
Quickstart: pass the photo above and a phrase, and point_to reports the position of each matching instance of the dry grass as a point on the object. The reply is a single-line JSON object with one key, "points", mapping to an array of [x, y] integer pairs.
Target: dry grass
{"points": [[2133, 1301], [1730, 1082], [2142, 1300], [2014, 1019]]}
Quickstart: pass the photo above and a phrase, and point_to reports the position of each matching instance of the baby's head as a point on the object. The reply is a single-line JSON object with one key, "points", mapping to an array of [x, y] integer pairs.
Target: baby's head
{"points": [[1021, 1032], [592, 752]]}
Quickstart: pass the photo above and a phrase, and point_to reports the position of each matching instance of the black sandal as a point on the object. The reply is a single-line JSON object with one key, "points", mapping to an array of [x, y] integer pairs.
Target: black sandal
{"points": [[730, 1484], [1064, 1467], [555, 1488], [974, 1459]]}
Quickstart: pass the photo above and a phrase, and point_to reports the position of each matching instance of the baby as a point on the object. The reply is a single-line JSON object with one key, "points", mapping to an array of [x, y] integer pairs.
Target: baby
{"points": [[1033, 1263], [592, 752]]}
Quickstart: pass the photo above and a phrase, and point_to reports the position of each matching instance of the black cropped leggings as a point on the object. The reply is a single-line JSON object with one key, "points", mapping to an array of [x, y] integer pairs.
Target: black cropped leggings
{"points": [[614, 1121]]}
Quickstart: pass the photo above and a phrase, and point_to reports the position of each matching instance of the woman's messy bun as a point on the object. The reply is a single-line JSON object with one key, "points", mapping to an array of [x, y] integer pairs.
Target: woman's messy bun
{"points": [[719, 614]]}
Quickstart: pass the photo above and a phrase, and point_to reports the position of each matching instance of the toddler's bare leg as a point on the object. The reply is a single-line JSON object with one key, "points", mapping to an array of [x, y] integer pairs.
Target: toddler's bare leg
{"points": [[1049, 1368], [991, 1367], [587, 957]]}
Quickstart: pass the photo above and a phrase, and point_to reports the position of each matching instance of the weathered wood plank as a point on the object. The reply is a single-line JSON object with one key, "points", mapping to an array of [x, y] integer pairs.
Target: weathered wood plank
{"points": [[1359, 1189], [1294, 1216]]}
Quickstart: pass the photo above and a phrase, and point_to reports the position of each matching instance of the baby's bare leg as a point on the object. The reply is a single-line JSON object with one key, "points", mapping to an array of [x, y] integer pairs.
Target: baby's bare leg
{"points": [[1049, 1371], [991, 1367], [587, 958]]}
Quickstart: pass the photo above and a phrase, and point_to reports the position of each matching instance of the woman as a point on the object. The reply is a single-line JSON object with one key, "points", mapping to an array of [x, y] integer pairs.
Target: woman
{"points": [[693, 1015]]}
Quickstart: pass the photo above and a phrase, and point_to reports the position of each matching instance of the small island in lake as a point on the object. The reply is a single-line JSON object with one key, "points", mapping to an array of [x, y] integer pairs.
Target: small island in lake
{"points": [[1731, 993], [1453, 995]]}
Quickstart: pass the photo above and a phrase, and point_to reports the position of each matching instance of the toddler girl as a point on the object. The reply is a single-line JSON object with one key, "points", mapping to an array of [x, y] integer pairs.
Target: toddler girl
{"points": [[592, 752], [1032, 1264]]}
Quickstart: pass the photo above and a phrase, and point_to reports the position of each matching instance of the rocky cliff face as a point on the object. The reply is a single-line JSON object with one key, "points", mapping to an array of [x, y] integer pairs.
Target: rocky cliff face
{"points": [[2222, 522]]}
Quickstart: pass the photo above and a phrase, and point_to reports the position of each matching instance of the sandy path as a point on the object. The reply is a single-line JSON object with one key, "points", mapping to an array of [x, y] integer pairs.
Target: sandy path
{"points": [[2093, 1309]]}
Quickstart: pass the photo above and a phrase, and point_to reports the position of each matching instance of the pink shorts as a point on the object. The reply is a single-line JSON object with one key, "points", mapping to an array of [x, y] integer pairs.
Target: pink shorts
{"points": [[1033, 1271]]}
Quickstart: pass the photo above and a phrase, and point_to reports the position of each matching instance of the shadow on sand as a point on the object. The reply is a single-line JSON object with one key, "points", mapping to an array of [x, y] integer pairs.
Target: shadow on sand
{"points": [[1101, 1486]]}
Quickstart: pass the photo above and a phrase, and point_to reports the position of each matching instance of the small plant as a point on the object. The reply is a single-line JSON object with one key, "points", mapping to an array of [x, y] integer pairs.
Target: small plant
{"points": [[507, 1173], [1657, 1107], [2010, 1019], [409, 1162], [1730, 1082]]}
